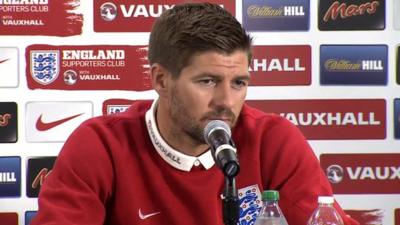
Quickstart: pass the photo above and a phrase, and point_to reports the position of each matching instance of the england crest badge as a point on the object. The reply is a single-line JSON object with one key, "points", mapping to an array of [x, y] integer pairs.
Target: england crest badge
{"points": [[45, 66], [250, 204]]}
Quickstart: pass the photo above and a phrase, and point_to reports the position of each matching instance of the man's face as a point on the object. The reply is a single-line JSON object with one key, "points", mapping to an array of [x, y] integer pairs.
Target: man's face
{"points": [[212, 87]]}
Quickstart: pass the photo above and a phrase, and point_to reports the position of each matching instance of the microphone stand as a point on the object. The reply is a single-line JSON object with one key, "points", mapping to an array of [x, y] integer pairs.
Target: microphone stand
{"points": [[230, 202]]}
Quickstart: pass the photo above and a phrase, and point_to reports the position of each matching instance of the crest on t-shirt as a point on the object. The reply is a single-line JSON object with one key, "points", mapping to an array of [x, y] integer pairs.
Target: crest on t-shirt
{"points": [[250, 204]]}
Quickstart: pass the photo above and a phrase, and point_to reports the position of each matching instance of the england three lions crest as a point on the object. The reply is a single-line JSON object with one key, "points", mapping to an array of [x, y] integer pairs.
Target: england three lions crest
{"points": [[45, 66]]}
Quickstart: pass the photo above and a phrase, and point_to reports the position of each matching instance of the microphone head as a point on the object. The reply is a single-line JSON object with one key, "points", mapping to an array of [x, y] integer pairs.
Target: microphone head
{"points": [[214, 125]]}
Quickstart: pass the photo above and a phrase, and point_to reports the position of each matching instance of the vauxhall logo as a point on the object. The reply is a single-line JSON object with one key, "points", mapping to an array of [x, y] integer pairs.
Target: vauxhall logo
{"points": [[335, 173], [277, 65]]}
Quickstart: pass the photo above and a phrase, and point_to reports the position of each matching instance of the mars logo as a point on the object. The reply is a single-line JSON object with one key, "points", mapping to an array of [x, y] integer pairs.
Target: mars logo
{"points": [[38, 170], [108, 11], [334, 173], [70, 77], [363, 173], [281, 65], [4, 119], [345, 10], [351, 15], [8, 122], [45, 66]]}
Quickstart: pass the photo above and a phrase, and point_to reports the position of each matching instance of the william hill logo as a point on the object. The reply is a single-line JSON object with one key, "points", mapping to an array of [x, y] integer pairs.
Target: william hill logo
{"points": [[7, 178], [265, 11], [349, 66]]}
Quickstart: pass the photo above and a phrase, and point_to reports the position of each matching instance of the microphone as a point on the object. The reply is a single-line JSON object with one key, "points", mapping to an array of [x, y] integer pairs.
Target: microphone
{"points": [[217, 135]]}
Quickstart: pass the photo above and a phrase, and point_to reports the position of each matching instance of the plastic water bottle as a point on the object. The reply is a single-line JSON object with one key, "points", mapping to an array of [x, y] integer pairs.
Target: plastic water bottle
{"points": [[270, 213], [325, 213]]}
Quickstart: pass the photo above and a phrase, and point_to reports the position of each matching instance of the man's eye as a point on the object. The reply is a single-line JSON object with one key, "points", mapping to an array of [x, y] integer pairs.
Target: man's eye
{"points": [[240, 83], [207, 81]]}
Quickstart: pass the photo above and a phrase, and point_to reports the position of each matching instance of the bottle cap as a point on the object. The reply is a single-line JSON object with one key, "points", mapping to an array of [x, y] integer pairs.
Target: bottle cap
{"points": [[326, 199], [270, 195]]}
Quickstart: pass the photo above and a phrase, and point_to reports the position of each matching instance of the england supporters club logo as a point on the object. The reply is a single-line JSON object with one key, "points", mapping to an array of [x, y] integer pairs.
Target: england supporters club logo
{"points": [[45, 66]]}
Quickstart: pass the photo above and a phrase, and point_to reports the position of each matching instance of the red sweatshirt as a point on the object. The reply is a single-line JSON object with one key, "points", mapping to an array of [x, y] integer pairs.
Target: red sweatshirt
{"points": [[111, 171]]}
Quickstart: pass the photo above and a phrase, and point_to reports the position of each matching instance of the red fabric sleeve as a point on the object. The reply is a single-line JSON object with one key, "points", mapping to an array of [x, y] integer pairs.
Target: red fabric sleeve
{"points": [[79, 185], [295, 172]]}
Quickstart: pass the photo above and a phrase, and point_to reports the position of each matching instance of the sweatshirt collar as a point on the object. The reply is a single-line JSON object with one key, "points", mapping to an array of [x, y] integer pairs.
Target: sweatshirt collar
{"points": [[170, 155]]}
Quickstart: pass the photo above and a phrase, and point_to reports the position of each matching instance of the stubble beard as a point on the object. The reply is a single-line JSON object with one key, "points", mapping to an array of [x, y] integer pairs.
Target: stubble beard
{"points": [[184, 121]]}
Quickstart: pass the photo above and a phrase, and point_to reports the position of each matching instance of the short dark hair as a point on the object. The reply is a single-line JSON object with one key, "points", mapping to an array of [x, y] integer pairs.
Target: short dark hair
{"points": [[193, 28]]}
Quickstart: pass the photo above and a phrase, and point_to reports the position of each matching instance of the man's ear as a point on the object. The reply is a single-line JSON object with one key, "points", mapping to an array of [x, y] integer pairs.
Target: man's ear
{"points": [[160, 77]]}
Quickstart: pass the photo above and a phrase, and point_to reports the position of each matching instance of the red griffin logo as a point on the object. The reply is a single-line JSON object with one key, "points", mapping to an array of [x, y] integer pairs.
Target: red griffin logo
{"points": [[4, 119], [352, 10]]}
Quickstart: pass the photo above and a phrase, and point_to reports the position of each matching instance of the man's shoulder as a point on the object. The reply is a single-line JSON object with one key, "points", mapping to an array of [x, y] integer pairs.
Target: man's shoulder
{"points": [[254, 119], [251, 113], [135, 112]]}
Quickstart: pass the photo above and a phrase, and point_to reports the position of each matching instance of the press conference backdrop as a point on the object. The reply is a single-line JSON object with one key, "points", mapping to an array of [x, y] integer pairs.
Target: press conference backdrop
{"points": [[330, 67]]}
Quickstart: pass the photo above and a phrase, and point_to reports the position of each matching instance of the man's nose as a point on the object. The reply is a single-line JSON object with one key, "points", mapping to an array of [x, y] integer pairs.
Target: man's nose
{"points": [[224, 95]]}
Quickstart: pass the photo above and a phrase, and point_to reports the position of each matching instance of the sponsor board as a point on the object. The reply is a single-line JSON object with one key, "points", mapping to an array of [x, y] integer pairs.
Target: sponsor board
{"points": [[353, 64], [9, 62], [351, 15], [362, 173], [331, 119], [396, 14], [8, 122], [29, 216], [10, 176], [111, 106], [398, 64], [40, 17], [92, 67], [54, 121], [38, 170], [9, 218], [281, 65], [396, 118], [271, 15], [137, 16], [366, 217]]}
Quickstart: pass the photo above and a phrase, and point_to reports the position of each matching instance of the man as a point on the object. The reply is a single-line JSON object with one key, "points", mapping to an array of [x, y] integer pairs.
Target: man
{"points": [[151, 165]]}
